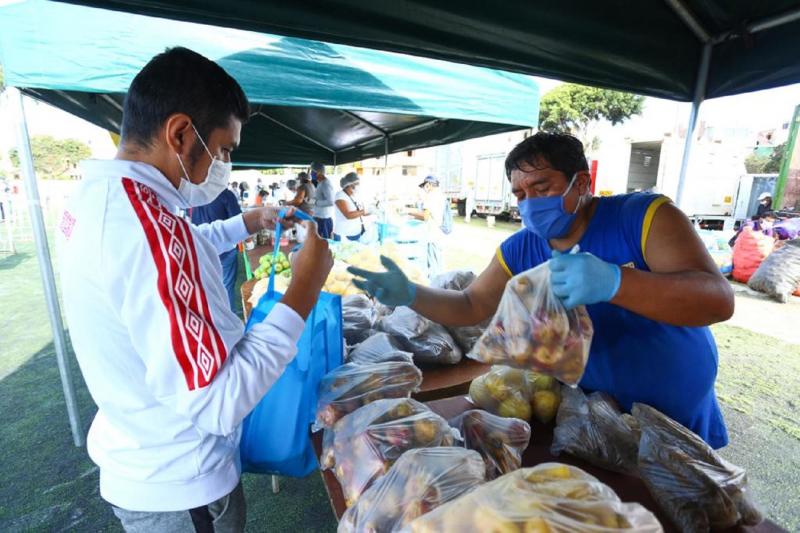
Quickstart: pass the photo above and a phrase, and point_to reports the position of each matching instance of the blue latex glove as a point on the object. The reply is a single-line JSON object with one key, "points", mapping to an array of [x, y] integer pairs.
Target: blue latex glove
{"points": [[390, 288], [583, 279]]}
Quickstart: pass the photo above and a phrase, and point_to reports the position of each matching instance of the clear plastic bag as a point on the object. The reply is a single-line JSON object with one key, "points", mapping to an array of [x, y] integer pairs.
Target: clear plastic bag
{"points": [[358, 317], [532, 330], [694, 486], [428, 341], [420, 481], [351, 386], [379, 348], [511, 392], [503, 391], [458, 280], [593, 429], [369, 440], [548, 498], [500, 441]]}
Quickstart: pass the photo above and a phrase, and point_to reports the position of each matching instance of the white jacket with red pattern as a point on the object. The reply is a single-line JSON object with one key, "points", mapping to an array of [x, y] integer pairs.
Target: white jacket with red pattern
{"points": [[165, 359]]}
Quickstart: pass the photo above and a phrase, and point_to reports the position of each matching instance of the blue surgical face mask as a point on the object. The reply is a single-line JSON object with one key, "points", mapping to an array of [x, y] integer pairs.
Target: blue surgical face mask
{"points": [[546, 216]]}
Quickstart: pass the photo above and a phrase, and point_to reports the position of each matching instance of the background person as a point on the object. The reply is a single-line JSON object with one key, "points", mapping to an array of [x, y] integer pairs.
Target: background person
{"points": [[304, 194], [433, 204], [764, 205], [165, 359], [349, 222], [223, 207], [324, 207], [645, 277]]}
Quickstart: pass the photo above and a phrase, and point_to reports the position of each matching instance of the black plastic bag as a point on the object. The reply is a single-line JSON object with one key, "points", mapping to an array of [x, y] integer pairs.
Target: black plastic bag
{"points": [[593, 429], [428, 341], [358, 317], [379, 348], [694, 486]]}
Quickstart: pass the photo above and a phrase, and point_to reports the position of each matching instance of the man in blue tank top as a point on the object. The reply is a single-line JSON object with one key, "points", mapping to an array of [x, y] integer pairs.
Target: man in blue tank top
{"points": [[645, 277]]}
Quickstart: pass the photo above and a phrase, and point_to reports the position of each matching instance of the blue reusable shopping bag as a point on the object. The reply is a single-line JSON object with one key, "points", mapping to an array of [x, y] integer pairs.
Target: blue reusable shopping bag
{"points": [[275, 435]]}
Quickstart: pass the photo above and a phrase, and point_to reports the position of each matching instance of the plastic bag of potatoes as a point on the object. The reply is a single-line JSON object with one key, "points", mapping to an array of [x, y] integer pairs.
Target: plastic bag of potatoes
{"points": [[548, 498], [351, 386], [532, 330], [500, 441], [514, 393], [420, 481], [369, 440]]}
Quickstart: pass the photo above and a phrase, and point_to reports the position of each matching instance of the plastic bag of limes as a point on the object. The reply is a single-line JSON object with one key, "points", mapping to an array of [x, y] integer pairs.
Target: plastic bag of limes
{"points": [[281, 262]]}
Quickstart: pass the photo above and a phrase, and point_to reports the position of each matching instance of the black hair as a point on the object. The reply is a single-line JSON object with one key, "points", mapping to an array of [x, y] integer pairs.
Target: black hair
{"points": [[179, 80], [303, 176], [560, 151]]}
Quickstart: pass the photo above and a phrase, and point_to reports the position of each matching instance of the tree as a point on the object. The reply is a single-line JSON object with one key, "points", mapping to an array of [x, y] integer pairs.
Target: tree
{"points": [[765, 164], [571, 108], [54, 158]]}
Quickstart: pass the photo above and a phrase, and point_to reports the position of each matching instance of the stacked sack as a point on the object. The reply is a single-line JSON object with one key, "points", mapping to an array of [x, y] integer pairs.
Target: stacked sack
{"points": [[750, 249], [779, 274]]}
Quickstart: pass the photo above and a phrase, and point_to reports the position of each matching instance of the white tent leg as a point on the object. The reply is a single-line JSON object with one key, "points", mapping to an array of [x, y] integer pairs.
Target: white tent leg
{"points": [[699, 95], [46, 266]]}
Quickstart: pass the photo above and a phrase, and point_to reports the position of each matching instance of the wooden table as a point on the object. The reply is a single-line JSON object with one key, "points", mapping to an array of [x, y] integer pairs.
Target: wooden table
{"points": [[444, 381], [629, 488]]}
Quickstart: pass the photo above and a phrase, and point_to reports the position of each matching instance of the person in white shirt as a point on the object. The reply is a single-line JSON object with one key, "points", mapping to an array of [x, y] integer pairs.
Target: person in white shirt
{"points": [[324, 201], [348, 218], [432, 213], [165, 359]]}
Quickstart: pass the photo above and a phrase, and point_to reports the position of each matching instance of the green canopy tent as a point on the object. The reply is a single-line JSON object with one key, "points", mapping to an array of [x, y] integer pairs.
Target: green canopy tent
{"points": [[686, 50], [652, 47], [311, 100]]}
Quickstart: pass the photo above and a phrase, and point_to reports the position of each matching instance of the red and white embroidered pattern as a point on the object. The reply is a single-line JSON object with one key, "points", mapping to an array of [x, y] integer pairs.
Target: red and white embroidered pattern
{"points": [[195, 340], [66, 224]]}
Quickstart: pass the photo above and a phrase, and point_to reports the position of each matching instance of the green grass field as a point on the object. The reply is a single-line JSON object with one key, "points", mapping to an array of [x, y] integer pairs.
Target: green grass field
{"points": [[47, 484]]}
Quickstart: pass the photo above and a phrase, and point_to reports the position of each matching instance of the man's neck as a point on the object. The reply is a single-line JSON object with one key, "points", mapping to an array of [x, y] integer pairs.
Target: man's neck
{"points": [[321, 178], [139, 155], [578, 228]]}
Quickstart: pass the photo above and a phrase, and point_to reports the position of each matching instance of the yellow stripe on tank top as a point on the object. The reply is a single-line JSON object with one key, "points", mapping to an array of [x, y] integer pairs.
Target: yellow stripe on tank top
{"points": [[502, 261], [648, 220]]}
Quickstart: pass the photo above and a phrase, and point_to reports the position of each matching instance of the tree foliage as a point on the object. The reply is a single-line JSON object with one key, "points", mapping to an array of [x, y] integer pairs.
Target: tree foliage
{"points": [[571, 108], [54, 158], [765, 164]]}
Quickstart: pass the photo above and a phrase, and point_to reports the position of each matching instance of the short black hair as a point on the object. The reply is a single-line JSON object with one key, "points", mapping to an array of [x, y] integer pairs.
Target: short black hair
{"points": [[179, 80], [303, 176], [562, 151]]}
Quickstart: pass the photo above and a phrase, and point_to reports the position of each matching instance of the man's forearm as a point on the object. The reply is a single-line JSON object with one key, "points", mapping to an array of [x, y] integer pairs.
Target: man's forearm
{"points": [[692, 298], [447, 307]]}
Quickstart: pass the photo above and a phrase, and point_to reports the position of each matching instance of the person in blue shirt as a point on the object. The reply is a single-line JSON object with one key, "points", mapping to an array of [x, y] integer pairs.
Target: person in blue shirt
{"points": [[223, 207], [645, 277]]}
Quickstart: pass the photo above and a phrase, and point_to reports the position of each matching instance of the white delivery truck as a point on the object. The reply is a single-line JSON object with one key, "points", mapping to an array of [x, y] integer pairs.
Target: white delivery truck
{"points": [[492, 188]]}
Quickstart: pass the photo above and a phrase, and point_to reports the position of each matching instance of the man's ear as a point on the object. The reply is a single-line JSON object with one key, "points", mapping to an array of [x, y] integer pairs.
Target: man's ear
{"points": [[584, 180], [178, 133]]}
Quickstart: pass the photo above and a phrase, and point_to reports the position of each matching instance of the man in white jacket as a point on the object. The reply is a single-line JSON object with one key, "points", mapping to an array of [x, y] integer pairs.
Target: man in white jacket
{"points": [[167, 362]]}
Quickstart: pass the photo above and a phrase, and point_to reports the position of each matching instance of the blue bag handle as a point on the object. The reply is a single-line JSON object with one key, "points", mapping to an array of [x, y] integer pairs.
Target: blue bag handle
{"points": [[303, 356], [278, 230]]}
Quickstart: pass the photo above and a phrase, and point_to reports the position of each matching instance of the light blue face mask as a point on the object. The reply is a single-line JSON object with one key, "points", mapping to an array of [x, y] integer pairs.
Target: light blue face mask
{"points": [[546, 216]]}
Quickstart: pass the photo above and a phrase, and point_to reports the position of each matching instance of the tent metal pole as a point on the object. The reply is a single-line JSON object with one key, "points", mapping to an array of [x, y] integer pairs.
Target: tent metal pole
{"points": [[699, 94], [46, 267], [385, 168]]}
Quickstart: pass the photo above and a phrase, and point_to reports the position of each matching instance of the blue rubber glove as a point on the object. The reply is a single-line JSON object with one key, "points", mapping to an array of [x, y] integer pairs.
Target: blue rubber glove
{"points": [[390, 288], [583, 279]]}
